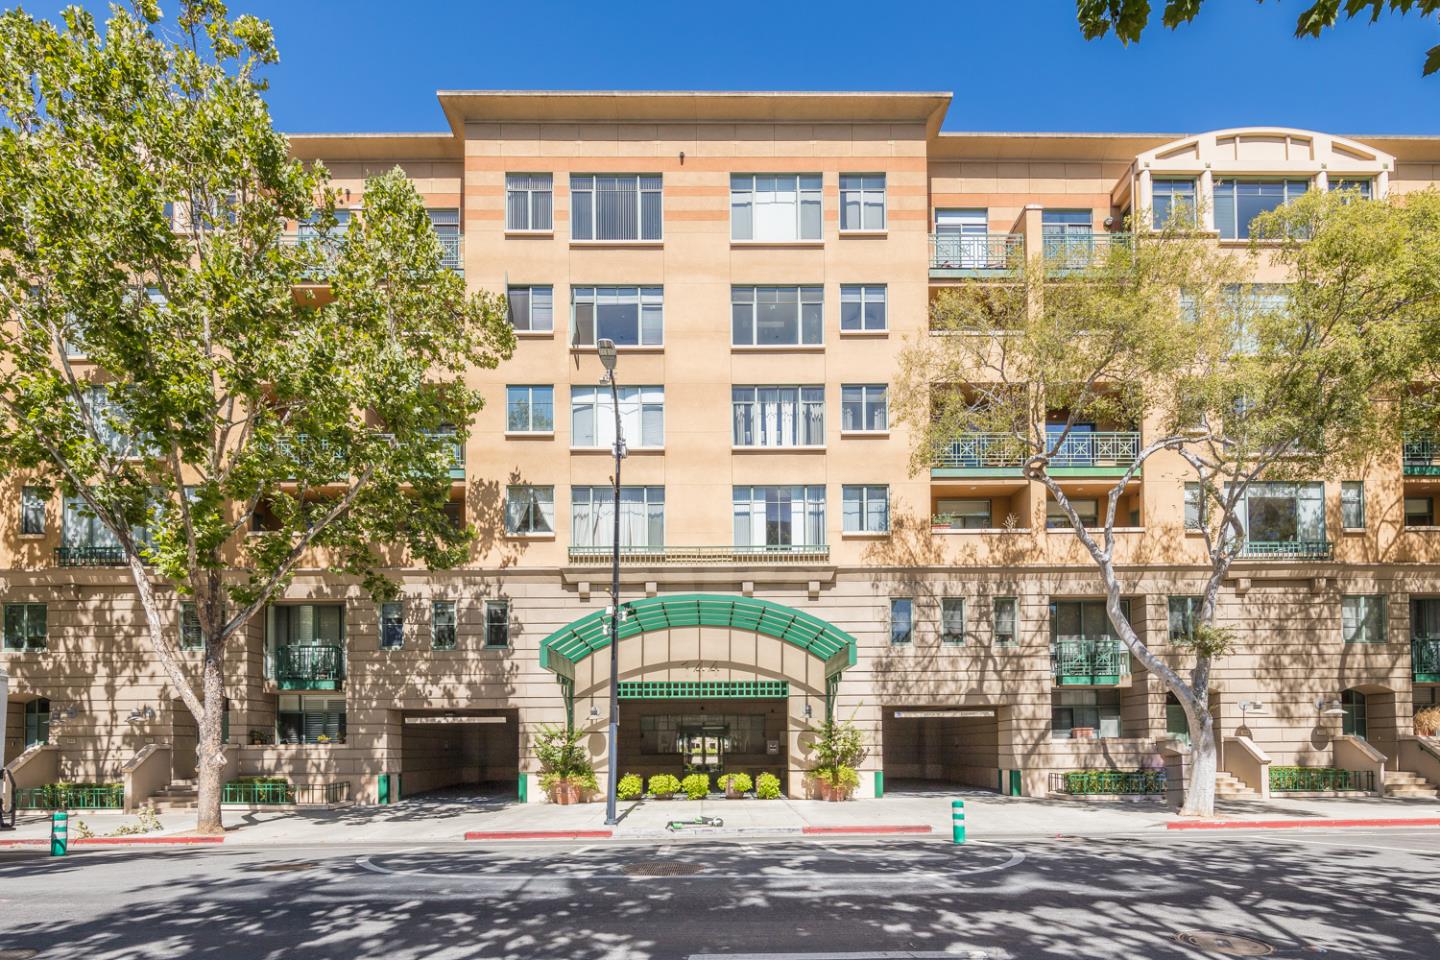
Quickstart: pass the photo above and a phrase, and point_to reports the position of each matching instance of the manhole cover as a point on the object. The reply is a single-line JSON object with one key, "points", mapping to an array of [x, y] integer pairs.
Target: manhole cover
{"points": [[276, 868], [661, 869], [1224, 943]]}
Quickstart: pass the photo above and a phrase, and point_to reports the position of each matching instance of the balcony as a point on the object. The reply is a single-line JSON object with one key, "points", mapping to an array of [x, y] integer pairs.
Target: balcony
{"points": [[1095, 454], [452, 249], [452, 252], [1001, 455], [1425, 659], [1065, 252], [306, 667], [975, 255], [90, 556], [701, 556], [980, 455], [1421, 456], [1089, 662], [1287, 550]]}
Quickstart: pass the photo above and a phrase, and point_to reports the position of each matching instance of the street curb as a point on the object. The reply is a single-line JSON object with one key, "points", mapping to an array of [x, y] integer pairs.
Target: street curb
{"points": [[868, 830], [539, 835], [1295, 824], [115, 841]]}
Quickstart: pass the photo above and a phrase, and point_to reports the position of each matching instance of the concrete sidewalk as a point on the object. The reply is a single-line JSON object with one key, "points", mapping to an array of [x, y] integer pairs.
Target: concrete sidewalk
{"points": [[448, 819]]}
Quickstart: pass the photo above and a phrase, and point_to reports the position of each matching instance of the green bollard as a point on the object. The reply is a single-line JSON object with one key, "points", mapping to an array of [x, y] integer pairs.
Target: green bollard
{"points": [[957, 820], [59, 834]]}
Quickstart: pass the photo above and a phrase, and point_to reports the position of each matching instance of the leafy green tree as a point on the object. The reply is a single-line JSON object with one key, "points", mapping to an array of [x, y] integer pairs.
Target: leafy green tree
{"points": [[1128, 18], [224, 404], [1239, 381]]}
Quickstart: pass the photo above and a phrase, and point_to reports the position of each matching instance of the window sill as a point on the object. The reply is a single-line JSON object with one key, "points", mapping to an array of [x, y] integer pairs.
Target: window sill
{"points": [[530, 234], [864, 434], [756, 448], [803, 244], [777, 348], [529, 435], [610, 451], [32, 536], [622, 348], [864, 534], [866, 234], [974, 530], [534, 334], [529, 536], [1067, 528], [1422, 527], [641, 244], [1352, 532], [865, 334]]}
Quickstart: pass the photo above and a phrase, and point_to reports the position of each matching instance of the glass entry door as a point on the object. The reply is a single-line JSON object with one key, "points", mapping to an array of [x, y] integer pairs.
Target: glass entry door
{"points": [[702, 749]]}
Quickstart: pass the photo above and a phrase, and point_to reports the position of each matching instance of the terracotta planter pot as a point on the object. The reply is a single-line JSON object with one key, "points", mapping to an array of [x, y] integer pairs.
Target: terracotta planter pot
{"points": [[565, 793], [732, 794], [1082, 733], [830, 793]]}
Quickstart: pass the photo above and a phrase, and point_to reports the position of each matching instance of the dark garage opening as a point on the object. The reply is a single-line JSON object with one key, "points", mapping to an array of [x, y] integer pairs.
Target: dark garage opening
{"points": [[460, 754], [939, 748]]}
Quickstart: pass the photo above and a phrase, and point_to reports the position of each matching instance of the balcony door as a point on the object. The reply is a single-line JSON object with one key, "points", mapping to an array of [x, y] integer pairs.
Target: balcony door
{"points": [[961, 242]]}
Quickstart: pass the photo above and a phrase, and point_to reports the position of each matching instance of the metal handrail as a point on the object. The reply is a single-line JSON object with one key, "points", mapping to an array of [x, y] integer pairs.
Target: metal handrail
{"points": [[1424, 656], [1288, 550], [983, 450], [1105, 657], [309, 662], [1078, 251], [976, 251], [90, 556], [1107, 449], [789, 553], [1421, 450]]}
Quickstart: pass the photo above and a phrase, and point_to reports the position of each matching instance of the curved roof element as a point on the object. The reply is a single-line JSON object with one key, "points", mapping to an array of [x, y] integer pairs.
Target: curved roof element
{"points": [[1264, 150]]}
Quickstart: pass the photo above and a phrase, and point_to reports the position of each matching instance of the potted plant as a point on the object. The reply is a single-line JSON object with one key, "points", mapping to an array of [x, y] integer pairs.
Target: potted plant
{"points": [[735, 785], [767, 787], [839, 748], [566, 774], [696, 785], [630, 787], [1427, 722], [663, 786]]}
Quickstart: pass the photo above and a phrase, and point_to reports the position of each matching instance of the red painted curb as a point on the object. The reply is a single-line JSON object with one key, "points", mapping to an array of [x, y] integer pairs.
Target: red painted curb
{"points": [[1288, 824], [539, 835], [902, 828], [115, 841]]}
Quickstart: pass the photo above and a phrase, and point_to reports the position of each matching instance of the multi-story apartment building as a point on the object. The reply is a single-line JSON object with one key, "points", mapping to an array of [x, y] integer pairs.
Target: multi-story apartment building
{"points": [[761, 260]]}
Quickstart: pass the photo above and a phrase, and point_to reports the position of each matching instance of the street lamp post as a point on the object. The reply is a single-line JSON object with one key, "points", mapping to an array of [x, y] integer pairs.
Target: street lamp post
{"points": [[606, 349]]}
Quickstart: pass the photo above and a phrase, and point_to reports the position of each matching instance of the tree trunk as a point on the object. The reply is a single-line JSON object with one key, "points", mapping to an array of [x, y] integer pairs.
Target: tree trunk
{"points": [[211, 760], [1200, 795]]}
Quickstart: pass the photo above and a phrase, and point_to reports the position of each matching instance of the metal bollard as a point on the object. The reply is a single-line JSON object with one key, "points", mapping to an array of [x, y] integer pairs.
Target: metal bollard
{"points": [[59, 834], [957, 820]]}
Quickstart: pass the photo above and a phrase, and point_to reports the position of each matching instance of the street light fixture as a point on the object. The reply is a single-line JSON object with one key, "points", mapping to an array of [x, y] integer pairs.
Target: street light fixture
{"points": [[606, 350]]}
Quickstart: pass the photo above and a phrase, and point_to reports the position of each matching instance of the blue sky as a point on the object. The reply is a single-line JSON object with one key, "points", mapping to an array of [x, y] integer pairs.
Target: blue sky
{"points": [[1020, 65]]}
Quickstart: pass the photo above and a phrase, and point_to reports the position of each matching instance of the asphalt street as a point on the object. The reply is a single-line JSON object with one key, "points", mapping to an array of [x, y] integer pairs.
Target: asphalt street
{"points": [[1352, 893]]}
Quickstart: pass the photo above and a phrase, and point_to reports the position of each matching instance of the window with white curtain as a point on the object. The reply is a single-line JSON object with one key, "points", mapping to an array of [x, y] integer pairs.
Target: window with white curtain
{"points": [[865, 508], [615, 206], [779, 516], [775, 207], [529, 201], [628, 316], [862, 201], [532, 309], [1362, 619], [778, 416], [863, 408], [862, 308], [642, 516], [777, 316], [529, 409], [642, 417], [529, 509]]}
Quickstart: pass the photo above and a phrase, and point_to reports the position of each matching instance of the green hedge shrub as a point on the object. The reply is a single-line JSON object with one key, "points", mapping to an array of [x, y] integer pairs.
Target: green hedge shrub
{"points": [[767, 786], [739, 782], [630, 787], [663, 786], [696, 786]]}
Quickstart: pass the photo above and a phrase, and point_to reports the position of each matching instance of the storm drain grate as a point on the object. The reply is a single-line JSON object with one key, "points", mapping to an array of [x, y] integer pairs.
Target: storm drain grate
{"points": [[661, 869], [1226, 944], [281, 868]]}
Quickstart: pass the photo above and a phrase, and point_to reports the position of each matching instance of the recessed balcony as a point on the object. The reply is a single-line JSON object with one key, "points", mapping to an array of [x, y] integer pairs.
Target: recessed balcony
{"points": [[957, 255], [1080, 250], [1100, 662], [1425, 659], [309, 667]]}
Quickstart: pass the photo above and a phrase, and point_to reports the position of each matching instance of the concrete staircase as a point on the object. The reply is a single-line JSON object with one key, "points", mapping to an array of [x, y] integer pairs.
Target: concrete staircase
{"points": [[179, 795], [1228, 787], [1401, 784]]}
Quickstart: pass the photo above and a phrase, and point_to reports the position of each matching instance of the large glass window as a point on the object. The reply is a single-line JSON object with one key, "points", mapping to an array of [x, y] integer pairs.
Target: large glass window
{"points": [[1362, 619], [1238, 202], [392, 625], [442, 625], [1005, 621], [446, 224], [112, 425], [1352, 504], [952, 620], [529, 201], [960, 514], [497, 623], [81, 529], [529, 409], [642, 417], [191, 636], [862, 308], [1419, 512], [1283, 513], [302, 719], [1425, 618], [778, 416], [1086, 508], [1172, 198], [32, 511], [1360, 185], [777, 316], [1194, 507], [307, 624], [1085, 714], [25, 626], [628, 316], [529, 509], [962, 241], [865, 508], [862, 201], [615, 207], [863, 408], [1183, 613], [532, 309], [779, 516], [902, 621], [775, 207], [642, 516]]}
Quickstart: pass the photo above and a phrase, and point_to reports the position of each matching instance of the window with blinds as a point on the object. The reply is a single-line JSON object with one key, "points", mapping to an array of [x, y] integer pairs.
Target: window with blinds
{"points": [[775, 208], [615, 207], [529, 202], [310, 719]]}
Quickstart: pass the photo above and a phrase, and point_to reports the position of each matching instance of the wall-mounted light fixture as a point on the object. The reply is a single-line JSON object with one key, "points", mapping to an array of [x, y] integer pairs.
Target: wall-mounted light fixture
{"points": [[1329, 708], [141, 715], [808, 713]]}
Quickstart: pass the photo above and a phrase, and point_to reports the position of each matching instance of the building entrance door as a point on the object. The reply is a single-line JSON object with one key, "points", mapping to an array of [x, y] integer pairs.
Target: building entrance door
{"points": [[703, 748]]}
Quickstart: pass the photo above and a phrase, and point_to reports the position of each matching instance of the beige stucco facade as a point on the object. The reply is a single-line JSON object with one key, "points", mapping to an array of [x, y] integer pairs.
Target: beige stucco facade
{"points": [[994, 703]]}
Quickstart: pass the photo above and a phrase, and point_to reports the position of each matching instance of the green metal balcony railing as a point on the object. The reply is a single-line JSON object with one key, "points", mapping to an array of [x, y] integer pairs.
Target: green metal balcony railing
{"points": [[71, 796], [452, 248], [309, 667], [1090, 783], [975, 253], [1089, 662], [1114, 449], [90, 556], [982, 451], [1425, 659], [786, 553], [1080, 251], [1320, 780], [1287, 550], [452, 252], [281, 792], [1420, 456]]}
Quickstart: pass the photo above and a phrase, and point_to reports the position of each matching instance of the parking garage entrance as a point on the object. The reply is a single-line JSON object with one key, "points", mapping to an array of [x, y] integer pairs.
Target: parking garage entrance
{"points": [[929, 748], [471, 755]]}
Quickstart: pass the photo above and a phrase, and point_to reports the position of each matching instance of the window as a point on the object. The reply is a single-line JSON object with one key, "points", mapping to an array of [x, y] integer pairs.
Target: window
{"points": [[1083, 641], [82, 530], [529, 201], [1177, 725], [1004, 624], [530, 409], [1066, 222], [1068, 238], [952, 620], [310, 230], [1194, 507], [902, 621], [1361, 185], [1087, 508], [1172, 198], [111, 424], [532, 309], [442, 625], [1424, 619], [191, 636], [25, 626], [962, 241], [497, 623], [865, 509], [1238, 202], [642, 417], [1355, 723], [307, 624], [779, 516], [37, 722], [862, 201], [1250, 304], [777, 316], [1419, 512], [302, 719], [778, 416], [1095, 712], [446, 224], [392, 625], [1362, 619], [775, 208], [1283, 513], [529, 510], [1183, 611], [862, 308], [964, 514], [1352, 505], [629, 316], [642, 516], [32, 511], [615, 207], [863, 408]]}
